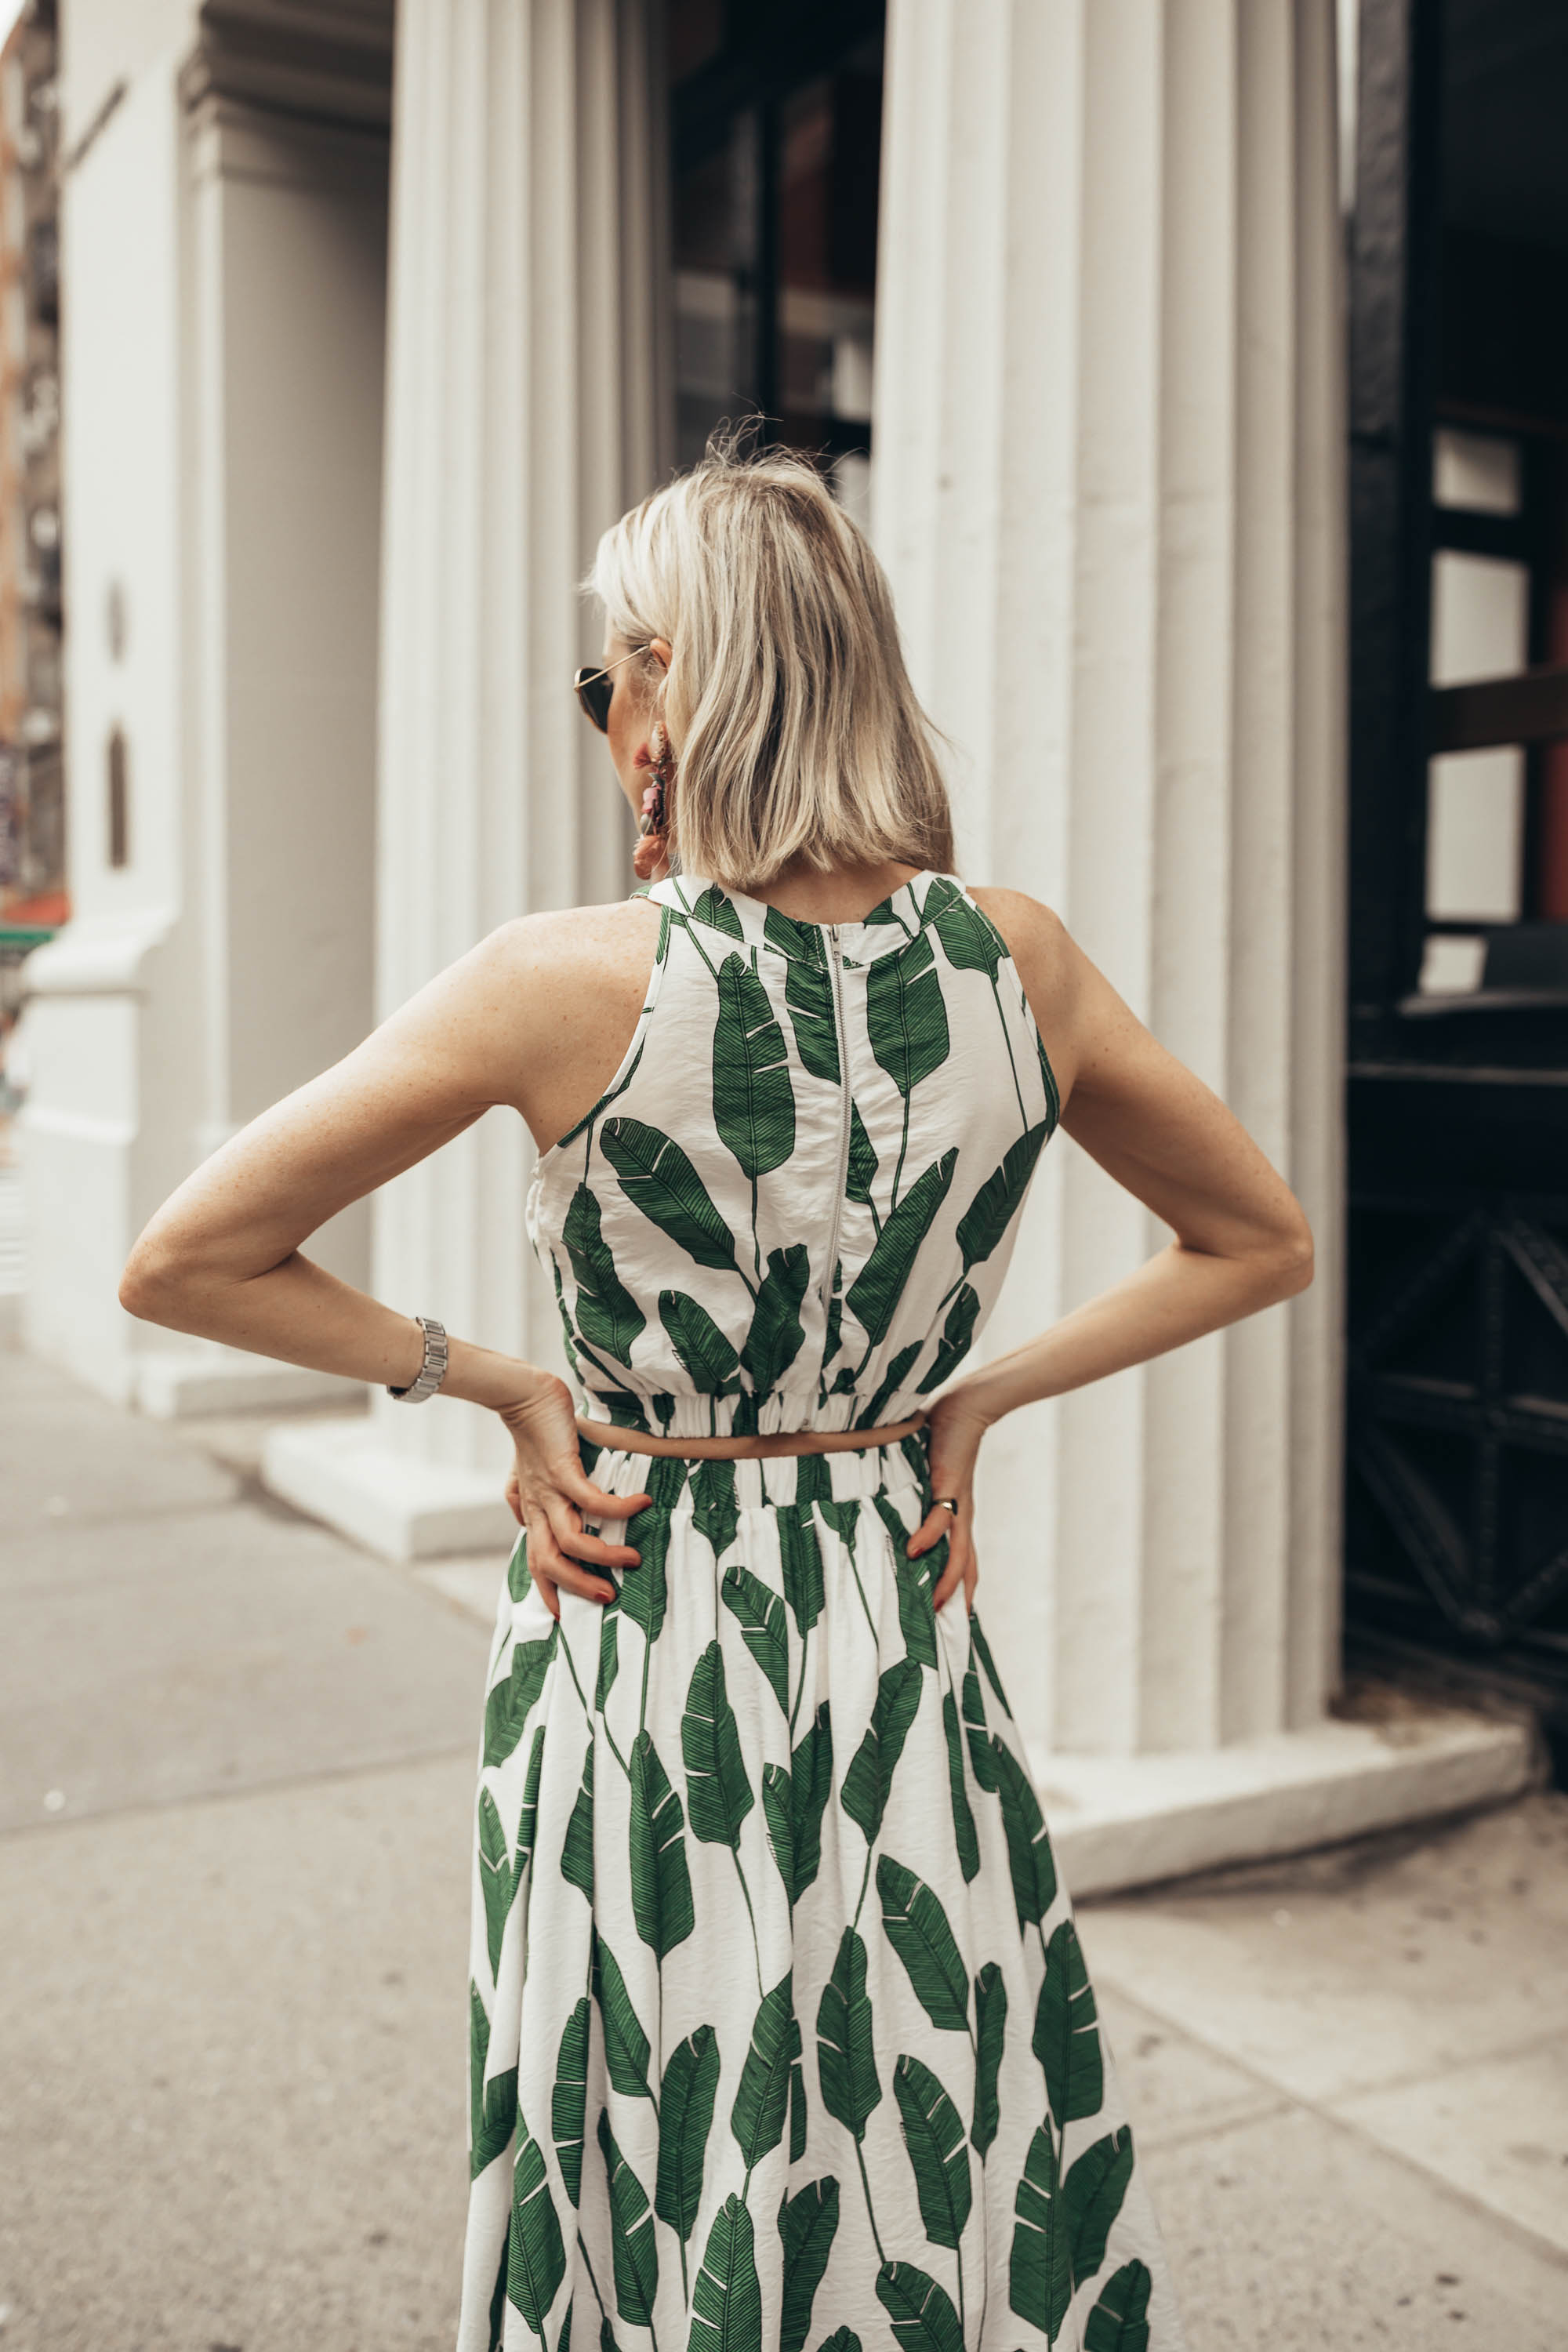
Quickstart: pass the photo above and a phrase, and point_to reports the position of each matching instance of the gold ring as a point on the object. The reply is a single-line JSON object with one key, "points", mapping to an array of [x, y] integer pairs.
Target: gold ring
{"points": [[945, 1503]]}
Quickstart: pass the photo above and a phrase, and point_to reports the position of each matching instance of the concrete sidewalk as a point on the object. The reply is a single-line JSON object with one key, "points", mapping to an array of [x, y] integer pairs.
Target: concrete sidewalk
{"points": [[235, 1790]]}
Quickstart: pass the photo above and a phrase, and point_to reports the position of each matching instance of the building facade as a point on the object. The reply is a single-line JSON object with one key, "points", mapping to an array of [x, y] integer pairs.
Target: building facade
{"points": [[1055, 289], [31, 795]]}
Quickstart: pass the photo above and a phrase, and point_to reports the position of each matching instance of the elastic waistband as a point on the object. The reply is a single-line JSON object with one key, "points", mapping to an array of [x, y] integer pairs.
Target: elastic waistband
{"points": [[779, 1447]]}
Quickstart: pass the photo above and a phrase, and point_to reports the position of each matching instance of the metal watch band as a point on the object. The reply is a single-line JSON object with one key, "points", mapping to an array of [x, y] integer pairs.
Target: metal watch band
{"points": [[433, 1370]]}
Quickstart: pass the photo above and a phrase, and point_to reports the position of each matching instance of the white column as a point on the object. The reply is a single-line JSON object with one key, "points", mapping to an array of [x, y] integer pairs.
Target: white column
{"points": [[1108, 486], [222, 345], [524, 393]]}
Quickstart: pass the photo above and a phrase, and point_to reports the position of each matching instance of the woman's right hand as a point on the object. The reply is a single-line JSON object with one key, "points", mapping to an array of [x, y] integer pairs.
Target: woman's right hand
{"points": [[549, 1496], [952, 1432]]}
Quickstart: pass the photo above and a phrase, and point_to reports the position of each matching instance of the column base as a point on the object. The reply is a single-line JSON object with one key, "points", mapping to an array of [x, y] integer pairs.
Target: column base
{"points": [[180, 1383], [1120, 1822], [347, 1476]]}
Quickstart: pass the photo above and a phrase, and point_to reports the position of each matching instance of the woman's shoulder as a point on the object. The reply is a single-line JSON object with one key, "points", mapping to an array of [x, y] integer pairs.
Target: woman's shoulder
{"points": [[1036, 937], [577, 945]]}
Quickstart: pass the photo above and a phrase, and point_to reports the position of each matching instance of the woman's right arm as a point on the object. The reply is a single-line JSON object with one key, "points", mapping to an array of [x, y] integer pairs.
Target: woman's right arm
{"points": [[1239, 1242]]}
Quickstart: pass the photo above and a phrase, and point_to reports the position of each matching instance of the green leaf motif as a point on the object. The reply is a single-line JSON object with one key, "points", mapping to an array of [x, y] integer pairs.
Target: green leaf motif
{"points": [[538, 2262], [981, 1755], [658, 1179], [877, 1289], [577, 1847], [963, 1831], [808, 2222], [754, 1101], [777, 1335], [843, 2339], [1091, 2195], [993, 1207], [1067, 2033], [627, 2050], [1120, 2320], [914, 1585], [845, 2054], [898, 1368], [957, 1337], [778, 1815], [606, 1314], [495, 1875], [867, 1783], [517, 1576], [494, 2122], [634, 2237], [714, 908], [939, 2152], [715, 1511], [906, 1017], [801, 942], [832, 1337], [982, 1648], [759, 1614], [528, 1818], [685, 2118], [757, 2117], [813, 1480], [1028, 1844], [990, 2038], [861, 1173], [719, 1796], [661, 1883], [917, 1927], [800, 1563], [644, 1589], [609, 1656], [727, 2301], [1039, 2272], [569, 2100], [510, 1704], [706, 1356], [811, 1784], [808, 993], [969, 942], [923, 2317], [797, 2120]]}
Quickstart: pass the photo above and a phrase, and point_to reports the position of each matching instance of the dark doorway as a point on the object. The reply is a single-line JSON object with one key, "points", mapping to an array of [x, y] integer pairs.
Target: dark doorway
{"points": [[777, 115], [1457, 1520]]}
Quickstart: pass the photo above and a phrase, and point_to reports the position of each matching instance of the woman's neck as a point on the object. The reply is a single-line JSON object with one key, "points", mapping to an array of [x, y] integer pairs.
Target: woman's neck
{"points": [[842, 894]]}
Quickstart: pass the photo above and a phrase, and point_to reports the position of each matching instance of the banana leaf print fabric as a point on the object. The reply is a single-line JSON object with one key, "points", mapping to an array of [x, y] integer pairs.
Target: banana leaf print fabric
{"points": [[782, 2039]]}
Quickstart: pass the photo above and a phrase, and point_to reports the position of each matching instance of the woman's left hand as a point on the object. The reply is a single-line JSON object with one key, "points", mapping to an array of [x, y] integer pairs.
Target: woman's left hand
{"points": [[953, 1433], [550, 1497]]}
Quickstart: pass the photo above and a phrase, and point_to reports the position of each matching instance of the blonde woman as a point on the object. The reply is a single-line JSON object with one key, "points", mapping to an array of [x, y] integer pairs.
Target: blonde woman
{"points": [[781, 2032]]}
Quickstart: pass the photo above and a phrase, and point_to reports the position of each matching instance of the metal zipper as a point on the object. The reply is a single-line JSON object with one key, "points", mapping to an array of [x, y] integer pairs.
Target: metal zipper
{"points": [[836, 983]]}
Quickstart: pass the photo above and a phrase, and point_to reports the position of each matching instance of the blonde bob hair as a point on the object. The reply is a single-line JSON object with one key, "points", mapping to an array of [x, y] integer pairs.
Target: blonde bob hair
{"points": [[794, 728]]}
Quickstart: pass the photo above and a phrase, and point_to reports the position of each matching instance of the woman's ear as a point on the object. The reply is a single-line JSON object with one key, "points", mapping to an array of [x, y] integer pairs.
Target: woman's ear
{"points": [[660, 649]]}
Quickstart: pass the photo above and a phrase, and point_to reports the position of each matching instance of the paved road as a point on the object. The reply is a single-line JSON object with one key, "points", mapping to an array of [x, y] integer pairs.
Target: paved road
{"points": [[235, 1781]]}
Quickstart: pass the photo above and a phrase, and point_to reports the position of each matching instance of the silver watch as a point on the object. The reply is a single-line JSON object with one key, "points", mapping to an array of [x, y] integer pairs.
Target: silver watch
{"points": [[433, 1370]]}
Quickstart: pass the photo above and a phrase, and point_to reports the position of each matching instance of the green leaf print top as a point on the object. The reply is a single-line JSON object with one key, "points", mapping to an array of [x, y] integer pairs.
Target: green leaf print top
{"points": [[794, 1205]]}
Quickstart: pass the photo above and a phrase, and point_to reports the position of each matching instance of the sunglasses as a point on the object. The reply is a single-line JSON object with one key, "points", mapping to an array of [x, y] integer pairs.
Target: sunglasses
{"points": [[594, 690]]}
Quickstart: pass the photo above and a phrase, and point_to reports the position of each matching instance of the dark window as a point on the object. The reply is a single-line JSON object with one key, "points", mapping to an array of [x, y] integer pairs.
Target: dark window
{"points": [[778, 148]]}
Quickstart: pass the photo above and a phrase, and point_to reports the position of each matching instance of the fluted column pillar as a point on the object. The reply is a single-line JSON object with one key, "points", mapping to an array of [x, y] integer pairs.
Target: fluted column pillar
{"points": [[1108, 487], [525, 354]]}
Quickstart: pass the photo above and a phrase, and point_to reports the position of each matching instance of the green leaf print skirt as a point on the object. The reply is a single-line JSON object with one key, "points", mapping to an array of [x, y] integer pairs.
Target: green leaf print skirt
{"points": [[781, 2032]]}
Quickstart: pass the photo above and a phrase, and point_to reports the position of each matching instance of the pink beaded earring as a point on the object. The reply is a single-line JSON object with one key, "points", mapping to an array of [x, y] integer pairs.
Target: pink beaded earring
{"points": [[653, 827]]}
